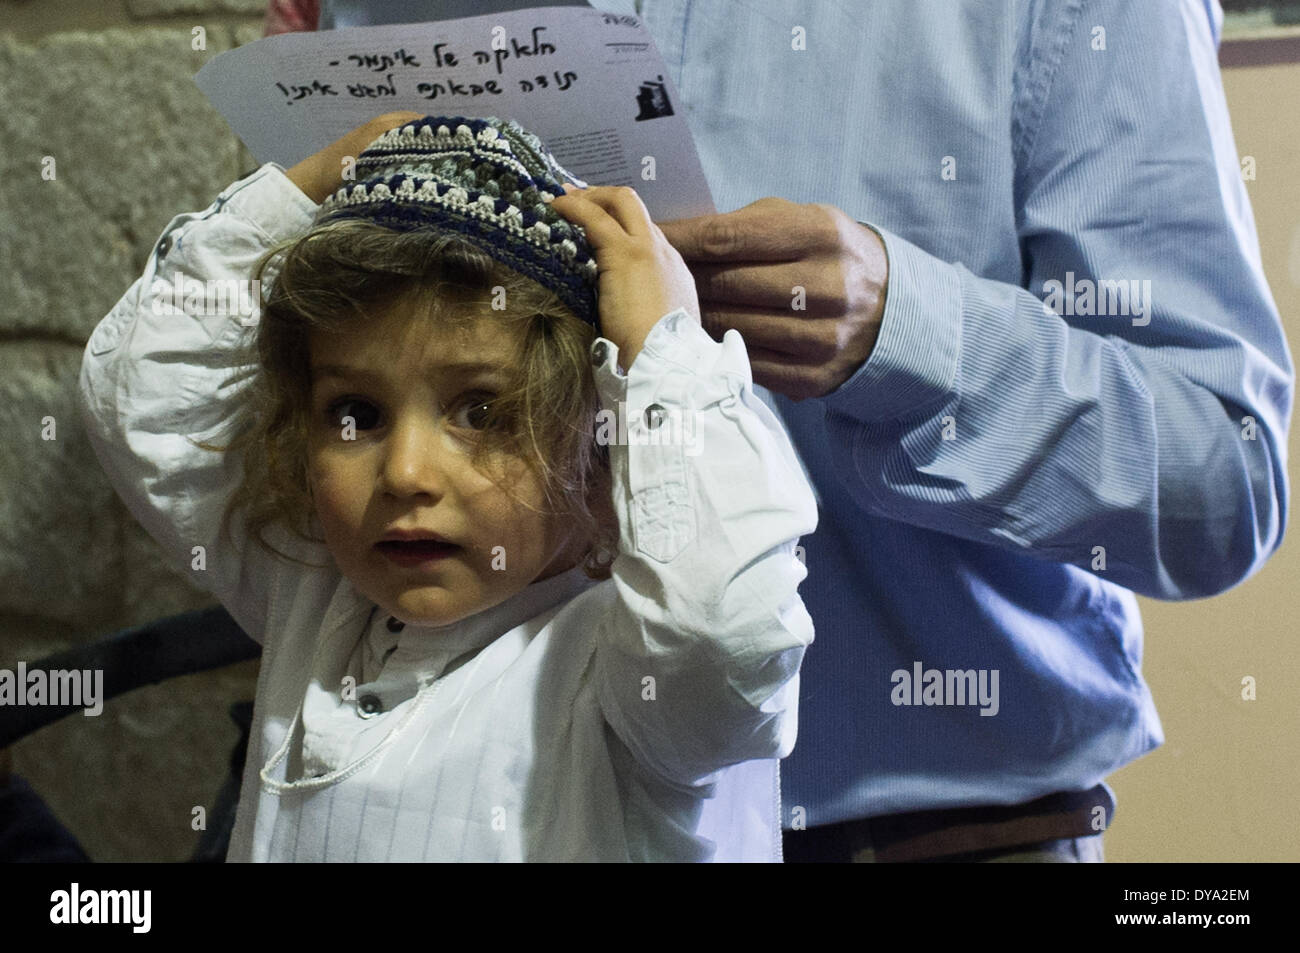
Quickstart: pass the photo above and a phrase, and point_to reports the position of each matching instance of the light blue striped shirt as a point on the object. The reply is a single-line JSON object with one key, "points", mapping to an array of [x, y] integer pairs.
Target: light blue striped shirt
{"points": [[1079, 361]]}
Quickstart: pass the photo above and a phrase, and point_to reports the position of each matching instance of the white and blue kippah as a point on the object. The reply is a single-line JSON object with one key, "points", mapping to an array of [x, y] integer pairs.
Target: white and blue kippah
{"points": [[485, 180]]}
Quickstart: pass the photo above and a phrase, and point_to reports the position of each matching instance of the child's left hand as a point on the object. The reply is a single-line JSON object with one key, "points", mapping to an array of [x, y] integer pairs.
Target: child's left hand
{"points": [[641, 276]]}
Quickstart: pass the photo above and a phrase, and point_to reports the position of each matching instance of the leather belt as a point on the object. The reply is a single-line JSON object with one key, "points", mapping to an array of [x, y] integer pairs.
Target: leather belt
{"points": [[925, 835]]}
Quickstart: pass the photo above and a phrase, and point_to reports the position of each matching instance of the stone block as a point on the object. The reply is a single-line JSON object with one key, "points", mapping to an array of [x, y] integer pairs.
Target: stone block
{"points": [[60, 522], [133, 144], [142, 9]]}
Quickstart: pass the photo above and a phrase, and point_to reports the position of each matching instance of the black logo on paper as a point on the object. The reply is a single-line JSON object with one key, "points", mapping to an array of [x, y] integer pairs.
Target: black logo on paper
{"points": [[653, 100]]}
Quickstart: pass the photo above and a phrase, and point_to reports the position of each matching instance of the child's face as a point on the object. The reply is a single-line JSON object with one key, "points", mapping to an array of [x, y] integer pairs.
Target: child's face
{"points": [[408, 467]]}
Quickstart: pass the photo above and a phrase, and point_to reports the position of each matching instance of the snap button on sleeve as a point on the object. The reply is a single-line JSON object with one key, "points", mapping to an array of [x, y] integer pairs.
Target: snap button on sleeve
{"points": [[599, 352], [654, 416], [369, 705]]}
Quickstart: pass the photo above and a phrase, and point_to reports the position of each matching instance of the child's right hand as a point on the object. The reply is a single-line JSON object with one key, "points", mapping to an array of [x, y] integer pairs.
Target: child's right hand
{"points": [[319, 175], [641, 276]]}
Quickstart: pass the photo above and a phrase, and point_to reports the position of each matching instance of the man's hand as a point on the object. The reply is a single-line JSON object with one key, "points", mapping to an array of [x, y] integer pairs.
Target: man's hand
{"points": [[749, 266], [319, 175]]}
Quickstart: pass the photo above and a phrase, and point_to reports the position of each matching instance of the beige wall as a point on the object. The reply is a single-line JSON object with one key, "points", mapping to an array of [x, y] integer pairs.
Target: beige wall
{"points": [[1224, 785]]}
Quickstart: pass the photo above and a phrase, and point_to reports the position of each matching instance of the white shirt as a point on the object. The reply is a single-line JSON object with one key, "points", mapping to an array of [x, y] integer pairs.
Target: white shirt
{"points": [[635, 718]]}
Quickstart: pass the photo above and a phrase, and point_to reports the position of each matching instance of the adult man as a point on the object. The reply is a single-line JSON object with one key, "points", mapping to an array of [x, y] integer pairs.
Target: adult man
{"points": [[1047, 375]]}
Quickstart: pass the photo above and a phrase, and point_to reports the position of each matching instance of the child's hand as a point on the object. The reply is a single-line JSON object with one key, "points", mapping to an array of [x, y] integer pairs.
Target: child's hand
{"points": [[641, 276], [319, 175]]}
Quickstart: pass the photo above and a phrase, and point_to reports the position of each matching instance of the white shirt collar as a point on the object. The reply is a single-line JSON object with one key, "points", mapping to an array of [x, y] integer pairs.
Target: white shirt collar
{"points": [[426, 650]]}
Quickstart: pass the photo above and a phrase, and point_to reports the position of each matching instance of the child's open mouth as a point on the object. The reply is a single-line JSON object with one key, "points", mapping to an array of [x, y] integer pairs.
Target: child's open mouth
{"points": [[416, 551]]}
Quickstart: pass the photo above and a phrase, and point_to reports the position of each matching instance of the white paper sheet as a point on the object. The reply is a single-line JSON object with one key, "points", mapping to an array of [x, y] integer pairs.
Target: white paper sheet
{"points": [[591, 84]]}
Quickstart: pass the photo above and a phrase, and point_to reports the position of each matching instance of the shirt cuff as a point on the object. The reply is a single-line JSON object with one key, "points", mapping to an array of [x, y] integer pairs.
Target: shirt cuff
{"points": [[676, 341], [913, 365]]}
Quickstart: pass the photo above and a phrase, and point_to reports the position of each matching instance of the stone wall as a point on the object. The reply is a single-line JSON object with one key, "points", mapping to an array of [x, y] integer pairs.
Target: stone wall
{"points": [[102, 94]]}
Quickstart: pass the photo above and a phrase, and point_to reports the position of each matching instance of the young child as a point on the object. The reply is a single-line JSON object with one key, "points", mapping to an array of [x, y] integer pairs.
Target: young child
{"points": [[497, 623]]}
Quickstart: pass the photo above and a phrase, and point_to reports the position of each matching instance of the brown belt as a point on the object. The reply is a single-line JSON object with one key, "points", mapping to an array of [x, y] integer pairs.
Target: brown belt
{"points": [[923, 835]]}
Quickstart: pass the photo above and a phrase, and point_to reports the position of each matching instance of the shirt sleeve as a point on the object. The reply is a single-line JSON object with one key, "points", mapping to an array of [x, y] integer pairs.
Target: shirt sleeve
{"points": [[1128, 409], [697, 663], [167, 368]]}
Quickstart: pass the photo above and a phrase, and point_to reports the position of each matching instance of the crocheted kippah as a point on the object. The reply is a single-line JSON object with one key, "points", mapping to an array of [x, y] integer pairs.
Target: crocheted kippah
{"points": [[483, 179]]}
